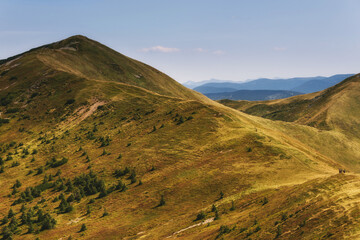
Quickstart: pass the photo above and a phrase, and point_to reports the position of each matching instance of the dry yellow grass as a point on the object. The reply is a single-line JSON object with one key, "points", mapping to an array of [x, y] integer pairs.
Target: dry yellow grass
{"points": [[213, 149]]}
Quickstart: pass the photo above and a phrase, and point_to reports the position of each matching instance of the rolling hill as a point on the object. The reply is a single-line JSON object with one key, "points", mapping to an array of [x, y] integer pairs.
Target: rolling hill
{"points": [[331, 109], [96, 145]]}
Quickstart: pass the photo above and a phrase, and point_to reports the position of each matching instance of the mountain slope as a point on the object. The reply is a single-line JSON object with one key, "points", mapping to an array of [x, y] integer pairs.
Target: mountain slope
{"points": [[145, 158], [333, 108], [318, 85], [88, 59]]}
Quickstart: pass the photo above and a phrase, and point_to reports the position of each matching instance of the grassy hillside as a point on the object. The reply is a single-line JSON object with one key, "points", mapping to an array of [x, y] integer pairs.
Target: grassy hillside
{"points": [[85, 58], [334, 108], [91, 151]]}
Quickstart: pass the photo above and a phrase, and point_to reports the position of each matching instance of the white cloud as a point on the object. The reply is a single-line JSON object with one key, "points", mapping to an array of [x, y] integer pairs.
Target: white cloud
{"points": [[218, 52], [200, 50], [280, 49], [160, 49]]}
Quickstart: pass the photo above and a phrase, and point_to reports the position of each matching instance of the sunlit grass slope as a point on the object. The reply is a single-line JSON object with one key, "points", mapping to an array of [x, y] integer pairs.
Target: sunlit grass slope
{"points": [[334, 108], [95, 138]]}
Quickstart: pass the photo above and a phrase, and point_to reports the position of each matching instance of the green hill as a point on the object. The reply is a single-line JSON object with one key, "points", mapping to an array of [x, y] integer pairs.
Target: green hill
{"points": [[95, 145]]}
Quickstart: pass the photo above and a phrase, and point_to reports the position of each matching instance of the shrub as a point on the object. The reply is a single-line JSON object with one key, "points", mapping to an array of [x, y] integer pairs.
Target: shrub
{"points": [[15, 164], [12, 110], [70, 101], [17, 184], [120, 186], [216, 215], [278, 231], [213, 208], [162, 201], [34, 95], [48, 222], [57, 163], [153, 130], [132, 176], [180, 121], [105, 213], [223, 230], [119, 173], [221, 195], [302, 224], [10, 213], [232, 208], [4, 120], [258, 228], [5, 220], [83, 228], [88, 210], [104, 153], [64, 206], [40, 170], [201, 215]]}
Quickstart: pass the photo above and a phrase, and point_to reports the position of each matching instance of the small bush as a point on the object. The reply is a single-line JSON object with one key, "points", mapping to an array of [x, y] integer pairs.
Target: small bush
{"points": [[216, 215], [105, 213], [223, 230], [201, 215], [83, 228], [57, 163], [221, 195], [232, 208], [162, 201], [213, 208], [70, 101]]}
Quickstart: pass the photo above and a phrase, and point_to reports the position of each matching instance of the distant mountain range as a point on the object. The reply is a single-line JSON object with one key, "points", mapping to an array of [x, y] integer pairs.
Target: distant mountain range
{"points": [[192, 84], [253, 95], [295, 85]]}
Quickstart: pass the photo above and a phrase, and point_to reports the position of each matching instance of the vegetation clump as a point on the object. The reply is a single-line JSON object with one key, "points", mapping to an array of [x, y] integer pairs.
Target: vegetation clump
{"points": [[83, 228], [56, 163], [162, 201], [223, 230], [201, 215]]}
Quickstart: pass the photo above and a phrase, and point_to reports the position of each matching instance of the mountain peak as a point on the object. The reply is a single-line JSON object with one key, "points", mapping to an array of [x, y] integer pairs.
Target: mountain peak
{"points": [[88, 59]]}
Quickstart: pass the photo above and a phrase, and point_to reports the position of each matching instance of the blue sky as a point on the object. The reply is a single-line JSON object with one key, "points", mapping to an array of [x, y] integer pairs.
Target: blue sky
{"points": [[199, 39]]}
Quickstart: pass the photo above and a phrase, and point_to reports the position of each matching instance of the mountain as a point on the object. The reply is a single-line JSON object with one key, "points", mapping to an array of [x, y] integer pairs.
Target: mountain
{"points": [[333, 108], [252, 95], [306, 85], [96, 145], [318, 85], [333, 111], [192, 84]]}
